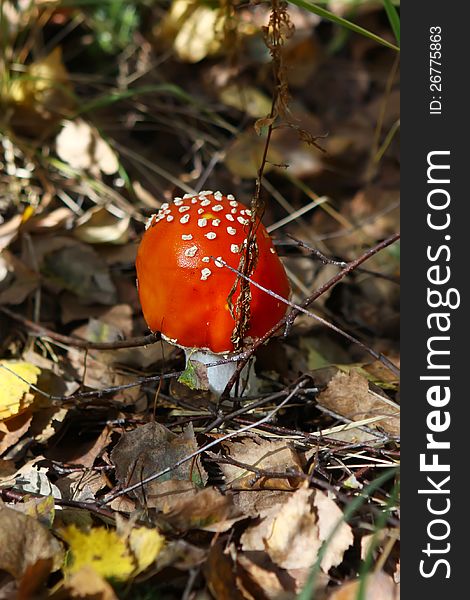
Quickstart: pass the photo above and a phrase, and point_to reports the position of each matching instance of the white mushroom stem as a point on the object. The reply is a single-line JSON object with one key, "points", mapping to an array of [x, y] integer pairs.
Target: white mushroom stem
{"points": [[220, 375]]}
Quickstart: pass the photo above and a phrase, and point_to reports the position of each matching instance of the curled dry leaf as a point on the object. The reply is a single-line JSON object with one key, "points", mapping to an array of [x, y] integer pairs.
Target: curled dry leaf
{"points": [[293, 532], [379, 586], [100, 226], [81, 146], [348, 395], [194, 30], [33, 478], [221, 575], [261, 578], [85, 584], [13, 429], [207, 509], [275, 456], [40, 96], [17, 281], [9, 231], [25, 543], [246, 98]]}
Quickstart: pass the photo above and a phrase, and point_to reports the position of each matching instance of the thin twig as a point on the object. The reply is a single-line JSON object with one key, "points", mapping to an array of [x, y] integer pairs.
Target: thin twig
{"points": [[41, 331], [297, 308], [288, 319], [143, 482]]}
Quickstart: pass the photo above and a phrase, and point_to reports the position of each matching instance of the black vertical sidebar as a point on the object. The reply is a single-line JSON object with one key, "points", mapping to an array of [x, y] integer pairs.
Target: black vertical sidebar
{"points": [[435, 309]]}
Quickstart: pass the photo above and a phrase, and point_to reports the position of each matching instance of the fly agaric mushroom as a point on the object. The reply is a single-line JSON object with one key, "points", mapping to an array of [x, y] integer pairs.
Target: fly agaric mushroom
{"points": [[184, 287]]}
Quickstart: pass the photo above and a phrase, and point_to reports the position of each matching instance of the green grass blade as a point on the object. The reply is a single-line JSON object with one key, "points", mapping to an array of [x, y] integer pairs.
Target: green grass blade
{"points": [[326, 14], [394, 18], [307, 592]]}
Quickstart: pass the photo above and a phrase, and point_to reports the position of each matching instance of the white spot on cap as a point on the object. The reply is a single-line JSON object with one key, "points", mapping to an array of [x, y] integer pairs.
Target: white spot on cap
{"points": [[183, 209], [218, 262], [229, 217], [187, 237], [211, 235], [272, 251], [206, 192], [231, 231], [149, 222], [170, 218], [218, 196], [233, 211], [242, 220], [164, 206], [202, 222], [205, 273], [194, 200], [248, 212], [205, 202], [215, 222], [177, 199], [178, 202], [235, 248], [217, 207], [186, 196], [205, 259], [233, 203], [184, 219], [190, 252], [200, 211], [230, 197]]}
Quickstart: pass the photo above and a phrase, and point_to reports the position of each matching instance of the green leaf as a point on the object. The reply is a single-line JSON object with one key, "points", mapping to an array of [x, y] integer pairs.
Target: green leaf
{"points": [[326, 14], [393, 17]]}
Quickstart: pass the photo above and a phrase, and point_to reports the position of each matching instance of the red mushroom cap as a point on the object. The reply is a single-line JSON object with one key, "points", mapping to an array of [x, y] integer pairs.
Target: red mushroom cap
{"points": [[184, 293]]}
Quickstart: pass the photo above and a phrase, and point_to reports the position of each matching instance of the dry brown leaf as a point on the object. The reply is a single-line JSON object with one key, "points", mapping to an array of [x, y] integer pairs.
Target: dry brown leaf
{"points": [[220, 574], [85, 584], [378, 539], [9, 231], [58, 218], [379, 586], [194, 30], [348, 395], [40, 96], [25, 542], [81, 146], [262, 578], [246, 98], [253, 503], [17, 281], [81, 486], [208, 509], [259, 453], [33, 478], [293, 532], [42, 509], [149, 449], [12, 429], [100, 226]]}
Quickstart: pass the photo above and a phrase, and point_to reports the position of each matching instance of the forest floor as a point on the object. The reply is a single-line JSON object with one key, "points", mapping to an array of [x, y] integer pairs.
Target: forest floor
{"points": [[107, 111]]}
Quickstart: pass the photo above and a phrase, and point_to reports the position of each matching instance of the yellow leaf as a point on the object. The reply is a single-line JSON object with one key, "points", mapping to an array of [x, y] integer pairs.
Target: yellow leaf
{"points": [[194, 30], [101, 549], [15, 381], [41, 78], [246, 98], [145, 545]]}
